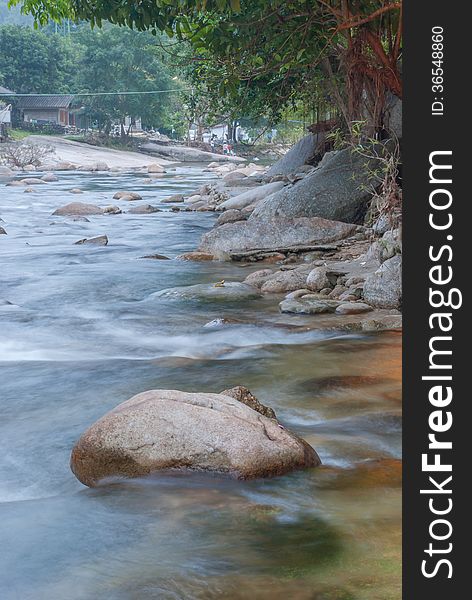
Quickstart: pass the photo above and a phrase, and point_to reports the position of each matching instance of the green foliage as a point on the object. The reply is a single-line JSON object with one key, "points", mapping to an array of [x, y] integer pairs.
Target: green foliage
{"points": [[114, 59], [33, 61]]}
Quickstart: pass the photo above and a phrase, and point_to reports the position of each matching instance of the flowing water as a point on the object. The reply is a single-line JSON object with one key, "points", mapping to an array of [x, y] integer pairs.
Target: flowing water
{"points": [[84, 333]]}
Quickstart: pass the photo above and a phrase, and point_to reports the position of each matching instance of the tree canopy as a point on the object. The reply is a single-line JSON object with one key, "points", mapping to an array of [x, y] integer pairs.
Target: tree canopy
{"points": [[113, 59], [265, 54], [33, 61]]}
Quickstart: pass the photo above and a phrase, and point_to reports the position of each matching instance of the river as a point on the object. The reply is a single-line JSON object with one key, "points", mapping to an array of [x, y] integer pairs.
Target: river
{"points": [[83, 334]]}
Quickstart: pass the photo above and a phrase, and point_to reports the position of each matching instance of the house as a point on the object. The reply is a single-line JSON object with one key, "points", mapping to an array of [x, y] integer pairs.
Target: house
{"points": [[5, 106], [47, 109]]}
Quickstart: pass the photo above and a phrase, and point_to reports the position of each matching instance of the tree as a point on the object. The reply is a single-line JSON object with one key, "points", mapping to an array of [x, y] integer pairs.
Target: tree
{"points": [[278, 47], [115, 59], [34, 62]]}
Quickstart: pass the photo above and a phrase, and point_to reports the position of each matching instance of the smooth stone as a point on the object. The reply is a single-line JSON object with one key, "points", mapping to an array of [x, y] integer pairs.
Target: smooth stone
{"points": [[49, 177], [171, 429], [112, 210], [317, 279], [156, 256], [32, 181], [308, 306], [352, 308], [16, 183], [64, 165], [230, 216], [78, 208], [297, 294], [100, 240], [75, 191], [97, 166], [145, 209], [155, 168], [258, 278], [176, 198], [127, 196], [230, 291], [284, 281]]}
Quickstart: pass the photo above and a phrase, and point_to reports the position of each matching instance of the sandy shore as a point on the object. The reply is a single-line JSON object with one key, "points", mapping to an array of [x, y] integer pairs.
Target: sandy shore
{"points": [[84, 154]]}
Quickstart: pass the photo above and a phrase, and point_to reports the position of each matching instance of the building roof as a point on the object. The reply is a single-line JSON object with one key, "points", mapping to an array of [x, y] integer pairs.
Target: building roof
{"points": [[4, 90], [53, 101]]}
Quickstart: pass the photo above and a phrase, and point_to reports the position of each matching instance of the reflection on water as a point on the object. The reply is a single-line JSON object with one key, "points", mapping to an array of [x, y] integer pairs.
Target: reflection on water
{"points": [[81, 336]]}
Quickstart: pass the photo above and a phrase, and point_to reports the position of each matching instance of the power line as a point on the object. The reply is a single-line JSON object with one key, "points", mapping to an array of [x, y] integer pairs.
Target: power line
{"points": [[97, 93]]}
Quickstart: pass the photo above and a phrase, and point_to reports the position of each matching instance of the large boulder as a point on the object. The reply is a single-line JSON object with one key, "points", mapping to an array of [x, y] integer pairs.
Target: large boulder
{"points": [[252, 196], [275, 234], [170, 429], [303, 151], [383, 288], [185, 154], [78, 208], [339, 189]]}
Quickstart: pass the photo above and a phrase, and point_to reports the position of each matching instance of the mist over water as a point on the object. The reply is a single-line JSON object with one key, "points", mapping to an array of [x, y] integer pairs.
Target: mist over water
{"points": [[84, 332]]}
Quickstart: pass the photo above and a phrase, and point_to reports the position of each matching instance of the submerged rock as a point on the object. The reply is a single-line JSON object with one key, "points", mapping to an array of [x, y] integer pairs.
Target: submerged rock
{"points": [[145, 209], [156, 256], [78, 208], [170, 429], [2, 231], [130, 196], [229, 291], [112, 210], [49, 177], [32, 181], [155, 168], [100, 240], [176, 198], [75, 191]]}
